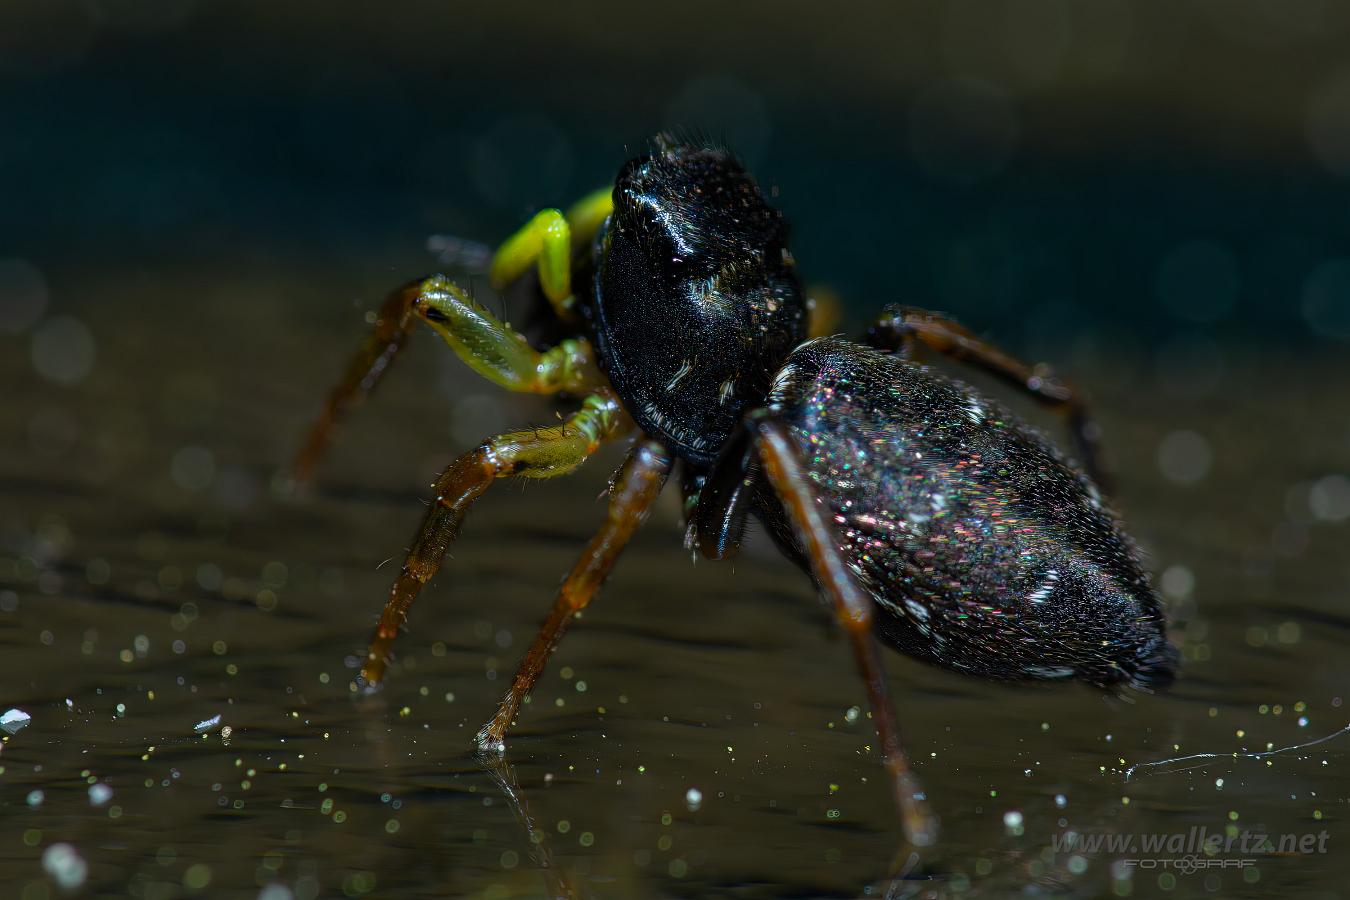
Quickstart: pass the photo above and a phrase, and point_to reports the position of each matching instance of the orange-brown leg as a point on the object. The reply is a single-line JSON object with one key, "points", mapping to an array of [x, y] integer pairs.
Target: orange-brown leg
{"points": [[897, 328], [392, 325], [779, 458], [542, 453], [638, 483]]}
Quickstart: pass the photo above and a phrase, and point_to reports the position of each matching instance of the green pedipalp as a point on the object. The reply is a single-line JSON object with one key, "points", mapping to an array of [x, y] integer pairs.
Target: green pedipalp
{"points": [[548, 240], [497, 352], [587, 215]]}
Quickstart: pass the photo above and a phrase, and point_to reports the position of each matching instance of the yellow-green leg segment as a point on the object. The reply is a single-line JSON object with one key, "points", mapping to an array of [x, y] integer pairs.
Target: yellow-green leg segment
{"points": [[548, 240], [541, 453], [497, 352], [490, 347]]}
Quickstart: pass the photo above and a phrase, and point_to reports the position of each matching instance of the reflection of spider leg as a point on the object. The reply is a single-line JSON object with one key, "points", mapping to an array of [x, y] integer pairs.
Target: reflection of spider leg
{"points": [[907, 882], [489, 346], [637, 484], [897, 328], [501, 772], [548, 240], [541, 453], [779, 458]]}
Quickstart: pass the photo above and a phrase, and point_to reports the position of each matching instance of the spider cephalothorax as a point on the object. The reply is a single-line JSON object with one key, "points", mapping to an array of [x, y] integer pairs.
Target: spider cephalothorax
{"points": [[696, 302]]}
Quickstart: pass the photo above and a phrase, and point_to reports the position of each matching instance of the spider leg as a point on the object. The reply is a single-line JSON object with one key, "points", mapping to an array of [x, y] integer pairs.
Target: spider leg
{"points": [[898, 328], [541, 453], [635, 487], [548, 240], [779, 458], [490, 347]]}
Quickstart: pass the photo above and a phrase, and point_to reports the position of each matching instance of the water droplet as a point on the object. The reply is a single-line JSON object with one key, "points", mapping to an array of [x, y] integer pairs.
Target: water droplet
{"points": [[14, 720]]}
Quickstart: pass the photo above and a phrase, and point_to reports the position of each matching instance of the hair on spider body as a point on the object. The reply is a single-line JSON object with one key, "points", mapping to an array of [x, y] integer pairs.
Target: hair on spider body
{"points": [[927, 515]]}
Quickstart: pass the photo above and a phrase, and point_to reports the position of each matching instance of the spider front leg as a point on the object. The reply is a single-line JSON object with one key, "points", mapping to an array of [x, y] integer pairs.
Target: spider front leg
{"points": [[489, 346], [635, 487], [771, 442], [541, 453], [549, 240], [898, 328]]}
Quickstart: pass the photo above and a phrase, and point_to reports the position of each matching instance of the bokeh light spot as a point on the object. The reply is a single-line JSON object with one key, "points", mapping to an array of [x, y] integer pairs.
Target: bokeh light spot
{"points": [[63, 350], [1184, 457], [23, 295], [1326, 299]]}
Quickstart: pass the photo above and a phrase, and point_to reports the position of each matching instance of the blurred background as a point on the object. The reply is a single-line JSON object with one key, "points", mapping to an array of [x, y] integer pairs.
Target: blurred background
{"points": [[200, 204], [1044, 168]]}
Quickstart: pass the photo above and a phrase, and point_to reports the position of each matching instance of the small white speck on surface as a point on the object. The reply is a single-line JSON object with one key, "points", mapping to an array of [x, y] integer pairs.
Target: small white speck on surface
{"points": [[693, 798], [206, 725]]}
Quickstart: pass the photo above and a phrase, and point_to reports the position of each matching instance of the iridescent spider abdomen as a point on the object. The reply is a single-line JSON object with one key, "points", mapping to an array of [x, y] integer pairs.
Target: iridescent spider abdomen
{"points": [[984, 549]]}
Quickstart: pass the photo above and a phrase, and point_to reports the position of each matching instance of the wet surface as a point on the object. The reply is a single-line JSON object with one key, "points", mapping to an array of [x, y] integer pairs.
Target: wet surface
{"points": [[692, 737]]}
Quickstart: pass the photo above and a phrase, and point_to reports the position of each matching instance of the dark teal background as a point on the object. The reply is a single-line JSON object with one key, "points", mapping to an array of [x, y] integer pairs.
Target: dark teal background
{"points": [[1029, 166]]}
